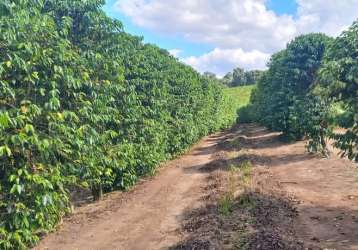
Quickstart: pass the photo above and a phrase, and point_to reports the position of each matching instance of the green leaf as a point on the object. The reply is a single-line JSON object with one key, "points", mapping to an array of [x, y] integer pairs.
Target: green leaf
{"points": [[16, 188], [5, 150], [29, 129], [4, 119]]}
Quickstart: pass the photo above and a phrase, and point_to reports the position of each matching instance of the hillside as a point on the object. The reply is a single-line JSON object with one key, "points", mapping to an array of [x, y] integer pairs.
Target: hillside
{"points": [[240, 95]]}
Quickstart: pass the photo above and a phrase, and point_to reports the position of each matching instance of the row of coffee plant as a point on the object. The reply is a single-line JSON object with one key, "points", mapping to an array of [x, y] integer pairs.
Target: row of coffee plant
{"points": [[310, 88], [84, 104]]}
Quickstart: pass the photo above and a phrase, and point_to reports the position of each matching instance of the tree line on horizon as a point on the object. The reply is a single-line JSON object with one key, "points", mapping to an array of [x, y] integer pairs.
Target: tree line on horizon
{"points": [[238, 77]]}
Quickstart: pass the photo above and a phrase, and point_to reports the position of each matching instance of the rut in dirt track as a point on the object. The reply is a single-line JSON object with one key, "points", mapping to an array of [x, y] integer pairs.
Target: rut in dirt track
{"points": [[148, 217]]}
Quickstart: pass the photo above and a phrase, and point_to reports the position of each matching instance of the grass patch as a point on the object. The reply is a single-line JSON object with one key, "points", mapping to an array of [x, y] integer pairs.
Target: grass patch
{"points": [[246, 173], [240, 95], [245, 199], [226, 204], [239, 178]]}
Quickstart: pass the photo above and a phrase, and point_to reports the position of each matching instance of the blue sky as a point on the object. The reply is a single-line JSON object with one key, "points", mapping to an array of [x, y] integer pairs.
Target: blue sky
{"points": [[282, 7], [219, 35]]}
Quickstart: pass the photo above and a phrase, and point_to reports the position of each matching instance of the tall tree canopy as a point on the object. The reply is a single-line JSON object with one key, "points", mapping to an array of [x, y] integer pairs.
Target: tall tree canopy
{"points": [[240, 77]]}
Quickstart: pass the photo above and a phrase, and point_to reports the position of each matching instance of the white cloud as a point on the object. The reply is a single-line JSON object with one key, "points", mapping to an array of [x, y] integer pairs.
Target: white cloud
{"points": [[327, 16], [222, 61], [175, 52], [244, 28], [245, 24]]}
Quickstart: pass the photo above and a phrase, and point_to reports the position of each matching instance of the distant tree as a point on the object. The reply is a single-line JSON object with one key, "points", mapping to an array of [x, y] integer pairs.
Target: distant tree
{"points": [[239, 77], [228, 78], [249, 77], [252, 76], [210, 75]]}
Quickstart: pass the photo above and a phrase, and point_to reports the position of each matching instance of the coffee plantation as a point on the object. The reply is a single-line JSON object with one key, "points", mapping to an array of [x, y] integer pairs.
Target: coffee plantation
{"points": [[87, 106]]}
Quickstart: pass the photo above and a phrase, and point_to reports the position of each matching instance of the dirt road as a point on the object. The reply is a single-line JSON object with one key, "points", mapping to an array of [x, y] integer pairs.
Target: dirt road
{"points": [[301, 201], [147, 217]]}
